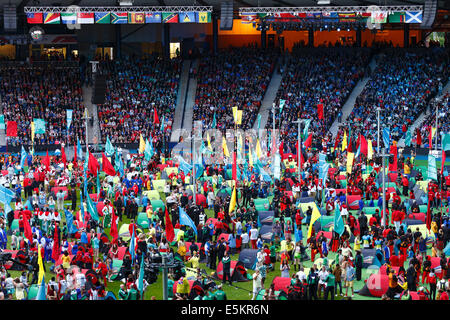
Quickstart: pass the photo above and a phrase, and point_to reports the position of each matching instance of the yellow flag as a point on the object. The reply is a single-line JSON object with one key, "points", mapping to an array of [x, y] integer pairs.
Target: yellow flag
{"points": [[369, 150], [41, 265], [233, 200], [32, 131], [209, 142], [350, 157], [141, 145], [235, 109], [344, 141], [239, 117], [433, 131], [315, 215], [225, 148], [258, 149]]}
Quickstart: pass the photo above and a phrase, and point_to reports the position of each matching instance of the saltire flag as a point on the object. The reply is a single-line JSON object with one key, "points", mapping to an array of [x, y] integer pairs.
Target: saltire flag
{"points": [[102, 17], [23, 156], [141, 144], [187, 17], [170, 234], [170, 17], [69, 113], [69, 17], [314, 217], [11, 129], [203, 17], [51, 18], [185, 220], [71, 227], [109, 148], [432, 172], [339, 226], [35, 18], [91, 208], [63, 156], [446, 142], [85, 17], [119, 17], [320, 111], [413, 17], [153, 17], [233, 200], [107, 166], [136, 17], [39, 125]]}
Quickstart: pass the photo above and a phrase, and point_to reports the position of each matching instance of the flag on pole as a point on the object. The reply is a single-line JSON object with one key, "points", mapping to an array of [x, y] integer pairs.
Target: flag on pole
{"points": [[339, 226], [11, 129], [314, 217], [91, 208], [369, 150], [320, 111], [140, 284], [446, 142], [56, 250], [350, 158], [27, 229], [41, 294], [344, 142], [63, 156], [432, 172], [133, 245], [47, 162], [141, 145], [107, 166], [224, 147], [408, 138], [233, 200], [442, 161], [69, 113], [113, 231], [185, 220], [170, 234], [148, 152], [41, 272], [386, 137], [23, 156], [214, 124], [109, 148], [155, 117]]}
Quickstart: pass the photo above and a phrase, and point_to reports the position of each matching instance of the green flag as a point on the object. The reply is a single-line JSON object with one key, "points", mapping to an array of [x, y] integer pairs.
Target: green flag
{"points": [[39, 126], [408, 138], [148, 152], [140, 284], [339, 226], [2, 122], [213, 125], [432, 172], [306, 128], [446, 142], [109, 148], [91, 208]]}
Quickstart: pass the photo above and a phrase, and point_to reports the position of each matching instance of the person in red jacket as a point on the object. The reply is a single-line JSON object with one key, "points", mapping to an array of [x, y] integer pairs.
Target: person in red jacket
{"points": [[132, 227], [102, 270]]}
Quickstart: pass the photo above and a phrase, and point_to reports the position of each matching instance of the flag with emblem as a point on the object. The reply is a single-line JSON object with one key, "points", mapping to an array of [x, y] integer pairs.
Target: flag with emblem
{"points": [[136, 17], [153, 17], [203, 17], [396, 17], [170, 17]]}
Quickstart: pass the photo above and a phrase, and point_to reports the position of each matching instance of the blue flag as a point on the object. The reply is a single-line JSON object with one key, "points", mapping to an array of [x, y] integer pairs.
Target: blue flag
{"points": [[81, 207], [339, 226], [432, 171], [265, 175], [186, 220], [140, 283], [132, 246], [23, 156], [41, 294], [79, 150], [69, 118], [386, 137], [69, 220], [184, 166]]}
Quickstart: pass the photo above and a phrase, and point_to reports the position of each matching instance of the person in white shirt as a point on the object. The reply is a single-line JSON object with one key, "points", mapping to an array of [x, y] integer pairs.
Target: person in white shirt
{"points": [[323, 274], [81, 280], [253, 236], [301, 275], [245, 240], [260, 257], [256, 283], [201, 218]]}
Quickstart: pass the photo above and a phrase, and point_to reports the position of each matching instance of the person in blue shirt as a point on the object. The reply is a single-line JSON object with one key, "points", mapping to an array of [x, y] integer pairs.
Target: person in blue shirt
{"points": [[18, 192], [84, 238], [349, 278]]}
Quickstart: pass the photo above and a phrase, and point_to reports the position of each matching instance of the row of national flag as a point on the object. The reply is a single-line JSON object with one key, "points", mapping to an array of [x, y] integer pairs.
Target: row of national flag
{"points": [[118, 17], [374, 16]]}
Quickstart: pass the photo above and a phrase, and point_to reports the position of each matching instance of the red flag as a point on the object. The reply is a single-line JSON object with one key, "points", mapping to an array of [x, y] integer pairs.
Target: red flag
{"points": [[301, 155], [364, 147], [27, 229], [11, 129], [155, 117], [75, 156], [281, 149], [419, 138], [56, 251], [320, 111], [114, 232], [336, 142], [107, 166], [63, 156], [93, 165], [442, 161], [430, 137], [47, 162], [308, 141], [170, 234], [393, 165], [234, 169], [349, 145], [428, 220]]}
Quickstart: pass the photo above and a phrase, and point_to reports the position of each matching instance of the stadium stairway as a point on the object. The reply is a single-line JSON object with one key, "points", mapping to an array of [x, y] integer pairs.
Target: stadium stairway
{"points": [[181, 99], [93, 126], [421, 118], [188, 113], [269, 97], [348, 106]]}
